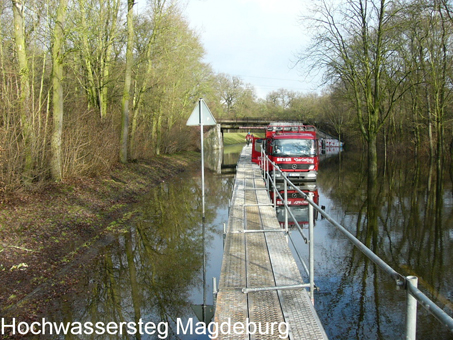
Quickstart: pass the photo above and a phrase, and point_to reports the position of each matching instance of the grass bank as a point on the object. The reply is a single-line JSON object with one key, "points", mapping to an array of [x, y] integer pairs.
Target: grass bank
{"points": [[236, 138], [45, 232]]}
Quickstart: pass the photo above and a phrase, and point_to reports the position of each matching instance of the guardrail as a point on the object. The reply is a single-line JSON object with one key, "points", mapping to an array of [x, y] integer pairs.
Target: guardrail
{"points": [[409, 283]]}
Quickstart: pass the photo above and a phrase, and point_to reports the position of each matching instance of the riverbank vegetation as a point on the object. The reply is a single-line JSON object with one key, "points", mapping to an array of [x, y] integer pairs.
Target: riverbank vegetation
{"points": [[68, 83], [88, 84], [47, 238]]}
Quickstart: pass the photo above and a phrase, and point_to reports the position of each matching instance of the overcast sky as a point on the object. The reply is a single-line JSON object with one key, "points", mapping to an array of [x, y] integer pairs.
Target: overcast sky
{"points": [[256, 40]]}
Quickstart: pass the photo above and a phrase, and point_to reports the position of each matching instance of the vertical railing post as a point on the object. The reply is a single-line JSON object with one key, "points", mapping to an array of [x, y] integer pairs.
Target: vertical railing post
{"points": [[214, 288], [311, 249], [274, 188], [275, 192], [286, 205], [262, 164], [224, 235], [411, 310]]}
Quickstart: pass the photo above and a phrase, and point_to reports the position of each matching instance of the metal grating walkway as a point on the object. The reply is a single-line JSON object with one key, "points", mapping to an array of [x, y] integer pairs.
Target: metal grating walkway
{"points": [[256, 260]]}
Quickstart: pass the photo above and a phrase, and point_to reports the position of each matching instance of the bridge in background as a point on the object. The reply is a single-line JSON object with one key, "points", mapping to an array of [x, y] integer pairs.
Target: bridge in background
{"points": [[255, 125]]}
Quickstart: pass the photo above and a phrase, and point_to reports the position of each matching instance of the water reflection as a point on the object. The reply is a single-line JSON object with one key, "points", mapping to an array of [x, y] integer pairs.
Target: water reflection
{"points": [[408, 226], [297, 204], [153, 272], [229, 159]]}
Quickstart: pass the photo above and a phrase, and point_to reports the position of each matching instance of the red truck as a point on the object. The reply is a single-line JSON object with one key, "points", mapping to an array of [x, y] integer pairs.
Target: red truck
{"points": [[293, 147], [297, 204], [294, 197]]}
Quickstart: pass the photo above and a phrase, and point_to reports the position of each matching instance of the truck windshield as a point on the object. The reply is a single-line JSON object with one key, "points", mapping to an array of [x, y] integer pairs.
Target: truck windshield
{"points": [[294, 147]]}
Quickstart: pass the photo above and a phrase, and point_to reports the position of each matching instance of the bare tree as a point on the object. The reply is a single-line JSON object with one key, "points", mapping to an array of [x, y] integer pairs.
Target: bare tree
{"points": [[353, 44], [95, 24], [25, 91], [57, 84], [155, 27], [127, 83], [235, 95]]}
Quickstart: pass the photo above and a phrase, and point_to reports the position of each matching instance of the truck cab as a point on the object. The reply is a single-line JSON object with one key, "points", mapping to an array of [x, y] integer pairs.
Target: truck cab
{"points": [[293, 147]]}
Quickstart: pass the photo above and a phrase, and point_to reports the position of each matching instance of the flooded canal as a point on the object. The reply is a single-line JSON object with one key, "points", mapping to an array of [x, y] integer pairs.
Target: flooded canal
{"points": [[161, 269]]}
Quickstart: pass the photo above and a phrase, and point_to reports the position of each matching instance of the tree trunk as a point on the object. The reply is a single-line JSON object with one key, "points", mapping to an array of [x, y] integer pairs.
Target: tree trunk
{"points": [[57, 98], [158, 14], [25, 93], [159, 135], [103, 100], [135, 112], [86, 57], [135, 287], [127, 83]]}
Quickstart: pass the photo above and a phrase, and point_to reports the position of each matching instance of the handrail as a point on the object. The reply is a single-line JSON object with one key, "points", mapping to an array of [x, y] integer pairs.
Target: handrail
{"points": [[293, 217], [309, 240], [284, 201], [400, 280]]}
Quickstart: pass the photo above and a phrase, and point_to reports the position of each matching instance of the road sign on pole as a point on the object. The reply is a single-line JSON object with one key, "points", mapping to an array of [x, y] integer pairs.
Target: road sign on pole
{"points": [[201, 115]]}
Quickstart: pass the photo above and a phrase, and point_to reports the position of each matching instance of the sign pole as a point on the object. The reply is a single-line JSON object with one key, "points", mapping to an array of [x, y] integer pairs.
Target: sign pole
{"points": [[202, 156], [200, 115], [203, 312]]}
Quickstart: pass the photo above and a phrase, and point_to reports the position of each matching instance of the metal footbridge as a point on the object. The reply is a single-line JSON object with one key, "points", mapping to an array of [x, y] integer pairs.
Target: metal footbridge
{"points": [[261, 292], [260, 283]]}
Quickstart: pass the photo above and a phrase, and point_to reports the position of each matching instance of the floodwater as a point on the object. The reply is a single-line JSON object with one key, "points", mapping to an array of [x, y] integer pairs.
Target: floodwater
{"points": [[159, 273], [414, 235]]}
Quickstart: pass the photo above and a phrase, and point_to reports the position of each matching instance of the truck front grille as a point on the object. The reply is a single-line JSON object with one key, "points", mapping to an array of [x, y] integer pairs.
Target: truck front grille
{"points": [[294, 166]]}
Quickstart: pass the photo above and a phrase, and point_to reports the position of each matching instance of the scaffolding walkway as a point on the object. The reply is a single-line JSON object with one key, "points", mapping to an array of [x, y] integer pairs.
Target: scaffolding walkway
{"points": [[260, 285]]}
